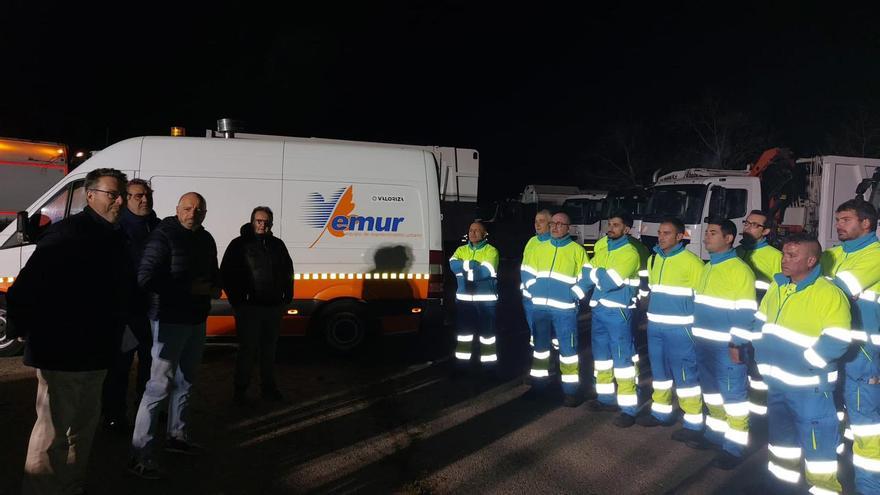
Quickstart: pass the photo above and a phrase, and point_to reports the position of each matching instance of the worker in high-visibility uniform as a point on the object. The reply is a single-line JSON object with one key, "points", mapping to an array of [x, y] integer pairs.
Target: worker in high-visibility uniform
{"points": [[855, 268], [614, 352], [475, 266], [527, 269], [555, 292], [673, 272], [765, 262], [724, 304], [801, 328]]}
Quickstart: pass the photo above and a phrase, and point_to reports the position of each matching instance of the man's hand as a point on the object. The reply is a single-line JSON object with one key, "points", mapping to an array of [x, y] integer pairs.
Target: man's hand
{"points": [[735, 355]]}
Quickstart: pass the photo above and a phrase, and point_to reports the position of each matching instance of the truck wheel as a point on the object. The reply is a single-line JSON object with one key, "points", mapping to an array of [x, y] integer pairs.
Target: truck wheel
{"points": [[8, 346], [344, 327]]}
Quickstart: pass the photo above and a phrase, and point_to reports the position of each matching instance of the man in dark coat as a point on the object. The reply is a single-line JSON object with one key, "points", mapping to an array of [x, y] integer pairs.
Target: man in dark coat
{"points": [[179, 268], [71, 302], [257, 276], [137, 220]]}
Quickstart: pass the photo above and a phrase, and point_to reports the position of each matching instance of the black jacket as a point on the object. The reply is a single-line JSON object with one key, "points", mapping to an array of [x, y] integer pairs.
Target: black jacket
{"points": [[257, 270], [137, 230], [173, 259], [72, 298]]}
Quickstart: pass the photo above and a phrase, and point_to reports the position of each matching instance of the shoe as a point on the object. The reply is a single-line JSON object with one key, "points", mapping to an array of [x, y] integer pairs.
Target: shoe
{"points": [[686, 435], [272, 395], [624, 420], [649, 421], [597, 406], [572, 400], [117, 425], [182, 447], [534, 394], [726, 461], [147, 470], [700, 443]]}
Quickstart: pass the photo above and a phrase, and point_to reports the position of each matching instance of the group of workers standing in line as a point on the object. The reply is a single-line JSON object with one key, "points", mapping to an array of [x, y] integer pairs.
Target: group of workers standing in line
{"points": [[754, 330]]}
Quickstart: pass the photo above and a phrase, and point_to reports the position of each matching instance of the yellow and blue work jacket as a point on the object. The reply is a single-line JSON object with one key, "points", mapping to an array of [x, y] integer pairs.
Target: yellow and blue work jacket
{"points": [[553, 273], [854, 266], [475, 268], [672, 277], [724, 300], [613, 273], [764, 260], [526, 272], [800, 330]]}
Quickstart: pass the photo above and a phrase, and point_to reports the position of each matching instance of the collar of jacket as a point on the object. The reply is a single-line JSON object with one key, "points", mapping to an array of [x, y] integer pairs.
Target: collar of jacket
{"points": [[803, 284], [617, 243], [247, 231], [860, 243], [757, 246], [715, 258], [477, 246], [543, 237], [99, 219], [672, 252], [560, 242], [130, 218]]}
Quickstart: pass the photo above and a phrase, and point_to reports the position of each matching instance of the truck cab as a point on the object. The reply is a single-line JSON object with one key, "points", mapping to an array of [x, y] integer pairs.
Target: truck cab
{"points": [[586, 212], [694, 195]]}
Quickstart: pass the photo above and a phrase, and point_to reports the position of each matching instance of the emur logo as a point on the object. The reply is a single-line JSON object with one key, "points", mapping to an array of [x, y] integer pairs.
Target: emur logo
{"points": [[336, 215]]}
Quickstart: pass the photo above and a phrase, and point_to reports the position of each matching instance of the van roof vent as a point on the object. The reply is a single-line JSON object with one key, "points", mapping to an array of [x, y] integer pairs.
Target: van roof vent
{"points": [[228, 127]]}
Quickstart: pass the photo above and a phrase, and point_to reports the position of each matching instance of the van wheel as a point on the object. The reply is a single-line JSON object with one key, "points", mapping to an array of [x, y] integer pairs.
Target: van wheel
{"points": [[8, 346], [344, 326]]}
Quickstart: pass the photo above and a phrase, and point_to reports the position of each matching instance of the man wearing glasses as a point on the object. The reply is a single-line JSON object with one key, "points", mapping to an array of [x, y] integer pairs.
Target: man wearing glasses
{"points": [[81, 271], [765, 261], [257, 276], [179, 269], [137, 219], [556, 289]]}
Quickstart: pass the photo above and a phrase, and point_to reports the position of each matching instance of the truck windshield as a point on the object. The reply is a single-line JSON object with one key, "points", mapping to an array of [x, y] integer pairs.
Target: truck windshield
{"points": [[583, 211], [632, 202], [682, 201]]}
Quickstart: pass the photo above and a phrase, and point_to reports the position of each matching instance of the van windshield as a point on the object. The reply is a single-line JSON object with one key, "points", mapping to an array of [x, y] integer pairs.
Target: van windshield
{"points": [[584, 211], [682, 201]]}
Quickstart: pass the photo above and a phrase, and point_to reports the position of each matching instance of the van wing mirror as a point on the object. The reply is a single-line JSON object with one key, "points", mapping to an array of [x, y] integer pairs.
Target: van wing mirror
{"points": [[22, 227]]}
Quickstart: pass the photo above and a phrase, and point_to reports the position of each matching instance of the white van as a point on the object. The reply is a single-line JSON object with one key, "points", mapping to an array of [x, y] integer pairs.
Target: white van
{"points": [[361, 221]]}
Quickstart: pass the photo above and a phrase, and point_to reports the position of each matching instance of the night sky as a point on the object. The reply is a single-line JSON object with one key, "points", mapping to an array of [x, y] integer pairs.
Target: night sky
{"points": [[540, 91]]}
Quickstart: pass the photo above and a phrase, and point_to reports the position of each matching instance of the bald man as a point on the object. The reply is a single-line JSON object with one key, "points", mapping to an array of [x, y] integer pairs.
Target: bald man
{"points": [[179, 270]]}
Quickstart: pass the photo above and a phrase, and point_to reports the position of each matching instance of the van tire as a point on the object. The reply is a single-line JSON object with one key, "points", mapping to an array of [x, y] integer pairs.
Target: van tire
{"points": [[344, 326], [8, 346]]}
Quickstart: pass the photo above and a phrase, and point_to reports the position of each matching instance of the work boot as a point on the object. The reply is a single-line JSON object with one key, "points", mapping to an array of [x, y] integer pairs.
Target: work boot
{"points": [[700, 443], [272, 395], [596, 405], [686, 435], [624, 420], [649, 421], [239, 397], [572, 400], [726, 461]]}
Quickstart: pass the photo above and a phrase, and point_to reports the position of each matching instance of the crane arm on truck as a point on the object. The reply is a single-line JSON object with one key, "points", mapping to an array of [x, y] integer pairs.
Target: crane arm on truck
{"points": [[782, 182]]}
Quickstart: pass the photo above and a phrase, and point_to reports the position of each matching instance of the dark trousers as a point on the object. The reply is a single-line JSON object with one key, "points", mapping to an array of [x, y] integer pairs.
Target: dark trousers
{"points": [[116, 384], [257, 329]]}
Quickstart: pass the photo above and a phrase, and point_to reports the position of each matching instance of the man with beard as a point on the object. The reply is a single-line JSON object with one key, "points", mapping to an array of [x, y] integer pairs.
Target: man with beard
{"points": [[614, 351], [765, 261], [854, 266]]}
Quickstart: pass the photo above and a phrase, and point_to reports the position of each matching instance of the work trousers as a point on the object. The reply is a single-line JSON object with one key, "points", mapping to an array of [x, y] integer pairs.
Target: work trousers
{"points": [[476, 320], [674, 363], [615, 358], [564, 323], [861, 395], [726, 396]]}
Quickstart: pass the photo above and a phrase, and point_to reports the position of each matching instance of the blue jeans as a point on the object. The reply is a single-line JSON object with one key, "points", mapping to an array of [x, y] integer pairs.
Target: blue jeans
{"points": [[177, 354]]}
